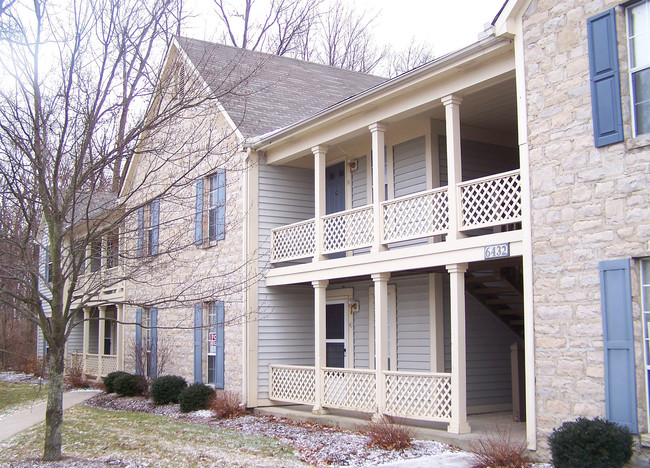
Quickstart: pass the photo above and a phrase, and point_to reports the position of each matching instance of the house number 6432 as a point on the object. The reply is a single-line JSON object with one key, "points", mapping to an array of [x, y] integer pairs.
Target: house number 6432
{"points": [[497, 250]]}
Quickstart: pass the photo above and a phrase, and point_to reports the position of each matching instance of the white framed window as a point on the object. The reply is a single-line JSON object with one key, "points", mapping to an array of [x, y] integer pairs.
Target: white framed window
{"points": [[645, 295], [638, 36], [215, 343], [216, 206]]}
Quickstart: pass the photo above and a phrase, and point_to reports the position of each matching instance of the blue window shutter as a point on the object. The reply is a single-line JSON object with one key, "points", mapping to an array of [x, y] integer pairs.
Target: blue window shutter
{"points": [[605, 79], [221, 205], [618, 343], [198, 343], [155, 224], [219, 358], [198, 213], [153, 333], [140, 231], [138, 339]]}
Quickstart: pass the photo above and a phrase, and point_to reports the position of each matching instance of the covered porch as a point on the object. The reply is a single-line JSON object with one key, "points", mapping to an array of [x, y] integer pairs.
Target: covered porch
{"points": [[103, 340], [430, 345]]}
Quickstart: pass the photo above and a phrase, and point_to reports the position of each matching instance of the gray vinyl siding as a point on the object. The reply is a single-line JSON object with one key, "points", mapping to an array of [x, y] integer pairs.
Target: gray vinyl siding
{"points": [[75, 341], [479, 159], [409, 175], [285, 330], [413, 338], [360, 183], [361, 327], [409, 167], [43, 290], [286, 314], [488, 353]]}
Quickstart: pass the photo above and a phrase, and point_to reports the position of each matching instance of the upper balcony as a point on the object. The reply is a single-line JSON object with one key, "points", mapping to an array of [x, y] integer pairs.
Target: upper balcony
{"points": [[420, 172], [488, 202]]}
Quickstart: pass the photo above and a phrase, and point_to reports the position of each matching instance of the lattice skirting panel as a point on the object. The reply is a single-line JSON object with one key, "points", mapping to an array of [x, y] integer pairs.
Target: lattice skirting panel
{"points": [[420, 396], [293, 384], [350, 389]]}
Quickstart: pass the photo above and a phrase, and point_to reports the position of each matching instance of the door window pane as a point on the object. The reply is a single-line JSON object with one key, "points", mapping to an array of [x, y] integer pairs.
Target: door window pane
{"points": [[335, 322]]}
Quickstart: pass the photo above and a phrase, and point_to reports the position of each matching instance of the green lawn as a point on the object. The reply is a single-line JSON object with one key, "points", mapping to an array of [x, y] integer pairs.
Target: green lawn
{"points": [[155, 441], [15, 394]]}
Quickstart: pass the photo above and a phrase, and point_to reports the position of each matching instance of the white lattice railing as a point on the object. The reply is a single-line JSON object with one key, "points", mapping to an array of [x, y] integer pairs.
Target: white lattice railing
{"points": [[92, 364], [293, 384], [418, 394], [490, 201], [349, 389], [419, 215], [293, 241], [346, 230]]}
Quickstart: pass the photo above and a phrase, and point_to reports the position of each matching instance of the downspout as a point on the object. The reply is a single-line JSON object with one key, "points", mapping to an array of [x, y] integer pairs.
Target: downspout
{"points": [[244, 350], [514, 27]]}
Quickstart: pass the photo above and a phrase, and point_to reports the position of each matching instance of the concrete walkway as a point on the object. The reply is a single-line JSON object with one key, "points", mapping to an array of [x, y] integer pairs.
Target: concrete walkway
{"points": [[14, 423]]}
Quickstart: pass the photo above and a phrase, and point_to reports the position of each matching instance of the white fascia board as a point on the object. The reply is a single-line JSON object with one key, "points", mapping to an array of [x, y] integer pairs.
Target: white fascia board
{"points": [[455, 62], [409, 258], [505, 23]]}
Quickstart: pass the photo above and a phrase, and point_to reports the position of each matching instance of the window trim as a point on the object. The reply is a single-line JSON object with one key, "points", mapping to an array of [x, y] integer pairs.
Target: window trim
{"points": [[632, 71], [210, 207]]}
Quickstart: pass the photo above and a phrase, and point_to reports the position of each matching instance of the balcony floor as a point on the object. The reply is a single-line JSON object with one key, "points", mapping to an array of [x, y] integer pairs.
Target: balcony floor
{"points": [[481, 424]]}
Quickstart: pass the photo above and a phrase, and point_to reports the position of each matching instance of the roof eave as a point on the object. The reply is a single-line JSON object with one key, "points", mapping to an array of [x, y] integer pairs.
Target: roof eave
{"points": [[262, 142]]}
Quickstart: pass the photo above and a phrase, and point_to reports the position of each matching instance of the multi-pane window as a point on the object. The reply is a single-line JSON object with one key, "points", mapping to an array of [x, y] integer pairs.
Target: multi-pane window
{"points": [[79, 252], [638, 30], [48, 267], [95, 255], [112, 249], [645, 294], [215, 340], [148, 228], [210, 208], [146, 342], [216, 206]]}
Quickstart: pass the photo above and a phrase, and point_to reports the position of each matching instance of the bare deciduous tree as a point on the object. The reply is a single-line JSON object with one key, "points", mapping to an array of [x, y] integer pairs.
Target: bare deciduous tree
{"points": [[332, 33], [83, 94], [415, 54]]}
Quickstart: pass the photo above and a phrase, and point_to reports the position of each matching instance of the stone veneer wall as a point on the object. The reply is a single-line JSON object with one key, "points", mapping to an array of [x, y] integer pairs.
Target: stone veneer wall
{"points": [[182, 272], [588, 204]]}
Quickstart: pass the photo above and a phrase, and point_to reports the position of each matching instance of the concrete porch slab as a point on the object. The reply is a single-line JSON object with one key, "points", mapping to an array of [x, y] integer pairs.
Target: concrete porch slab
{"points": [[481, 424]]}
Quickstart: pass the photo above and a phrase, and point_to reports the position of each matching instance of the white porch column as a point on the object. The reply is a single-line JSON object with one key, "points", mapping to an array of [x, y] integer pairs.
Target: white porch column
{"points": [[458, 424], [86, 337], [378, 183], [320, 153], [381, 337], [454, 167], [100, 344], [119, 339], [320, 302], [436, 323]]}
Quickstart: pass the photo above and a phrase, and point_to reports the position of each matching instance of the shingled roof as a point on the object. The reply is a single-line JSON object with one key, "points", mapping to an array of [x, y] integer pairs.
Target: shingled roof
{"points": [[263, 92]]}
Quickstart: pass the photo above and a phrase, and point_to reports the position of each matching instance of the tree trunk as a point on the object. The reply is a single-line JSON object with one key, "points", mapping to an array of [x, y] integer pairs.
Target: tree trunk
{"points": [[54, 412]]}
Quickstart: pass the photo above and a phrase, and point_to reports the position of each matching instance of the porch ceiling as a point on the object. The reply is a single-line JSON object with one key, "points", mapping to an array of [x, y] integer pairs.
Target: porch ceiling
{"points": [[490, 106]]}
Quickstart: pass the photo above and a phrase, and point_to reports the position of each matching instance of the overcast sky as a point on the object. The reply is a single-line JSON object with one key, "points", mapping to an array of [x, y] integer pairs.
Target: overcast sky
{"points": [[447, 25]]}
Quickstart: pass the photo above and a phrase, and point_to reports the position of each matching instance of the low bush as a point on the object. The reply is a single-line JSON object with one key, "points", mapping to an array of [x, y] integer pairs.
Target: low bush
{"points": [[129, 385], [74, 372], [585, 443], [226, 405], [109, 380], [36, 365], [500, 449], [385, 434], [195, 397], [167, 389]]}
